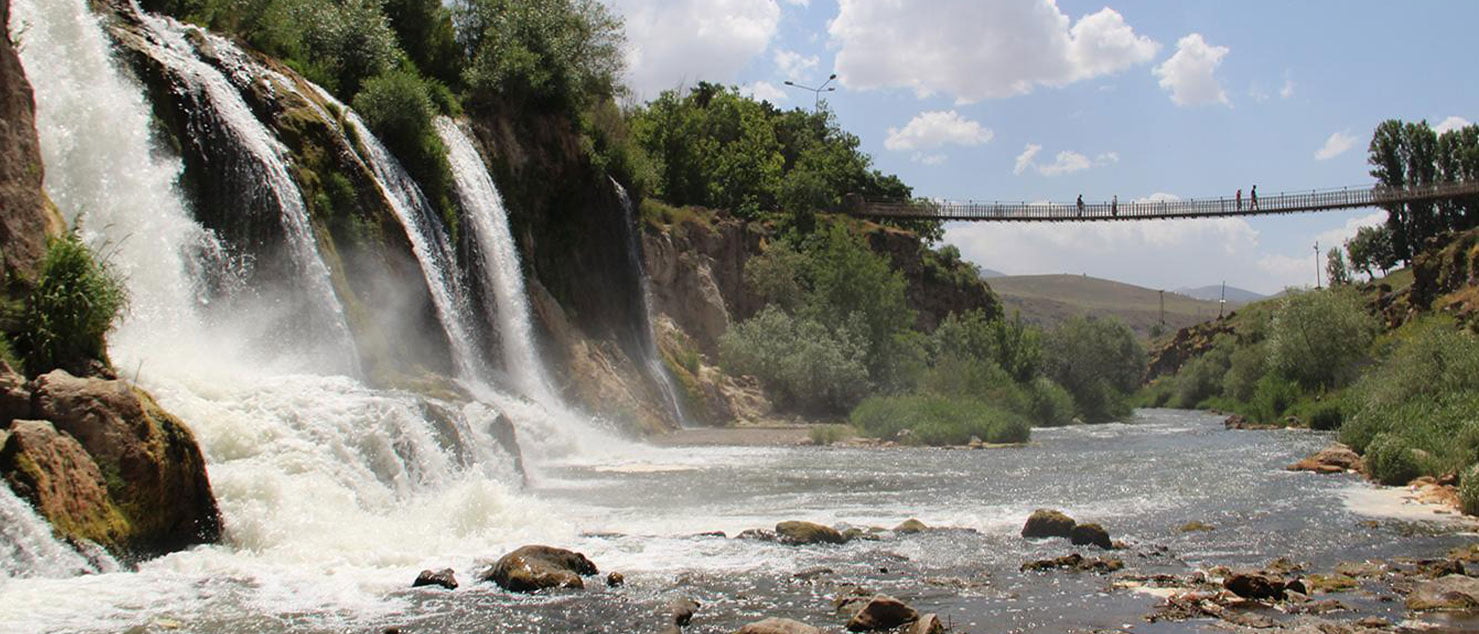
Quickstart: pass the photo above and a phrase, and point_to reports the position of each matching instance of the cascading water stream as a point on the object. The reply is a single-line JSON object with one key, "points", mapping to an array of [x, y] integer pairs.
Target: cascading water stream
{"points": [[652, 358], [430, 245], [488, 221], [170, 46], [27, 548]]}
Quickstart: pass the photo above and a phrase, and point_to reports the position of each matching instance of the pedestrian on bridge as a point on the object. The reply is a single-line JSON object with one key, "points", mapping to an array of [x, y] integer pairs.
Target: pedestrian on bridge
{"points": [[1080, 205], [1253, 198], [1114, 206], [1240, 199]]}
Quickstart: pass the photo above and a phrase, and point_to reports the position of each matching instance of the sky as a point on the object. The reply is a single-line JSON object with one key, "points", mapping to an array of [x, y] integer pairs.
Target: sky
{"points": [[1040, 100]]}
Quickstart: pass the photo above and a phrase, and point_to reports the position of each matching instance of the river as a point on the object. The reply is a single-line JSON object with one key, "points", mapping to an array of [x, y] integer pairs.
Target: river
{"points": [[639, 511]]}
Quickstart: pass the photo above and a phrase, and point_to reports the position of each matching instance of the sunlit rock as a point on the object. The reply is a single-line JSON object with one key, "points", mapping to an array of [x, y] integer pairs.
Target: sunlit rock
{"points": [[1048, 523], [532, 568]]}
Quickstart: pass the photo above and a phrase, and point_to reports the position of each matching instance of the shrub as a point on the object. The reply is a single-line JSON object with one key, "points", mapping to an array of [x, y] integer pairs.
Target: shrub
{"points": [[1327, 417], [1050, 404], [1317, 337], [398, 108], [1468, 491], [75, 302], [800, 361], [1099, 361], [828, 434], [933, 419], [563, 53], [1390, 460], [1272, 396], [1246, 366]]}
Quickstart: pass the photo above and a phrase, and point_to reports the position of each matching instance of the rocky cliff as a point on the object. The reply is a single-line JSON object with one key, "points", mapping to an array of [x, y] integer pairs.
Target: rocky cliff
{"points": [[96, 457]]}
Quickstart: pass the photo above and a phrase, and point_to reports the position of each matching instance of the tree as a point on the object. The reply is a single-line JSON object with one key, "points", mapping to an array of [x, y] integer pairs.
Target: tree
{"points": [[1099, 362], [1387, 156], [1317, 337], [560, 53], [1370, 248], [1335, 269]]}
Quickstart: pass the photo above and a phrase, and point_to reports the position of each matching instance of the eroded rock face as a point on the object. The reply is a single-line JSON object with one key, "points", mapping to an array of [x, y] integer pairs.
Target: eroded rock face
{"points": [[1048, 523], [1453, 592], [804, 533], [778, 626], [28, 217], [54, 473], [154, 469], [532, 568]]}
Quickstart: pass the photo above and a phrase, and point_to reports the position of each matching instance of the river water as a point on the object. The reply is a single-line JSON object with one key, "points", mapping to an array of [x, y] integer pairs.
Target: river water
{"points": [[639, 511]]}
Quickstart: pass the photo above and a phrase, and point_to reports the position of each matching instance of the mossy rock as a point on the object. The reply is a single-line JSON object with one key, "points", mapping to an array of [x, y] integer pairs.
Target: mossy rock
{"points": [[805, 533], [1048, 523]]}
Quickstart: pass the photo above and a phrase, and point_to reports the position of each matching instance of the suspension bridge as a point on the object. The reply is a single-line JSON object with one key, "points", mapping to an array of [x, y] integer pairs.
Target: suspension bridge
{"points": [[1280, 203]]}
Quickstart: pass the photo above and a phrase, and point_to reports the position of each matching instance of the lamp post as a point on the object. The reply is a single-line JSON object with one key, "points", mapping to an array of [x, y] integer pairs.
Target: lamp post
{"points": [[817, 92]]}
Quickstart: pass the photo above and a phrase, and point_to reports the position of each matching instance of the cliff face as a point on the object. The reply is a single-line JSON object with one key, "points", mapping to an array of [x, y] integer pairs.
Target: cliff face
{"points": [[934, 289], [1447, 279], [26, 216], [697, 272]]}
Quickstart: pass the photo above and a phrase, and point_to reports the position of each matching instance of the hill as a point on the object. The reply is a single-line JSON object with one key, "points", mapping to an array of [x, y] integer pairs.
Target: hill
{"points": [[1235, 296], [1047, 300]]}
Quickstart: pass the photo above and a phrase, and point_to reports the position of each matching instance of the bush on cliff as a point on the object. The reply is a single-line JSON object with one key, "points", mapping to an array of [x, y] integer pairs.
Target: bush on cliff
{"points": [[398, 108], [803, 363], [75, 302], [1317, 338]]}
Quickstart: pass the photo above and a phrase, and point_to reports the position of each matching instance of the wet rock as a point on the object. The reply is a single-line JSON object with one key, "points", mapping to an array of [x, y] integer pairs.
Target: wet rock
{"points": [[54, 473], [1325, 606], [1195, 526], [615, 580], [868, 535], [507, 438], [710, 534], [1336, 458], [806, 533], [1086, 534], [910, 526], [757, 534], [1077, 562], [1453, 592], [813, 573], [1330, 583], [161, 485], [778, 626], [1254, 585], [443, 578], [532, 568], [1440, 568], [1296, 585], [1048, 523], [683, 610], [927, 624], [1361, 569], [1374, 622], [1284, 566], [882, 612]]}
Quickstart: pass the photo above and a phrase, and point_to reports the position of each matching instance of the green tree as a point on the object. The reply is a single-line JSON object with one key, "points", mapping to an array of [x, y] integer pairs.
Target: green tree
{"points": [[1370, 248], [801, 362], [1336, 272], [1387, 156], [1099, 362], [553, 53], [1317, 337]]}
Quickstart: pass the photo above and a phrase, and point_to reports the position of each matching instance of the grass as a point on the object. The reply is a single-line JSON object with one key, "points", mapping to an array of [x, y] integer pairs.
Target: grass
{"points": [[931, 419], [75, 302]]}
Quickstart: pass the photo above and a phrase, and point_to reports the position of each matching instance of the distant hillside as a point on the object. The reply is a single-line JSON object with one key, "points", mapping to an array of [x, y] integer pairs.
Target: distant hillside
{"points": [[1047, 300], [1235, 296], [988, 274]]}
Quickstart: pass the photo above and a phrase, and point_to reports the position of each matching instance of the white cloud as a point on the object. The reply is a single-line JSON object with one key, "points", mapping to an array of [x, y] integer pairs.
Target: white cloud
{"points": [[1452, 123], [1189, 74], [928, 159], [794, 66], [1334, 146], [671, 43], [1288, 90], [1024, 160], [1338, 235], [1159, 197], [1066, 162], [973, 49], [929, 130], [764, 91], [799, 3]]}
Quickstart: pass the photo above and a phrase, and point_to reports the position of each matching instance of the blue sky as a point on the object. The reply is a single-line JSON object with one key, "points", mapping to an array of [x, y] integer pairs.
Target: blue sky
{"points": [[1037, 100]]}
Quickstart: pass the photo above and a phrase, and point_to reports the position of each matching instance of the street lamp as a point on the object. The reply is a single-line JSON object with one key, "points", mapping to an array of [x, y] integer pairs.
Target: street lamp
{"points": [[817, 92]]}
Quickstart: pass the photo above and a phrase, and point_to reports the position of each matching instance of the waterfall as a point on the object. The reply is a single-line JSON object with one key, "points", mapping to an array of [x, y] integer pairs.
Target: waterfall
{"points": [[27, 548], [430, 245], [487, 219], [230, 119], [651, 357]]}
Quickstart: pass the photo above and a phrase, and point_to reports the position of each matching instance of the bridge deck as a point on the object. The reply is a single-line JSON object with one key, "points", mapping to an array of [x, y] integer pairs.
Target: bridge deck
{"points": [[1280, 203]]}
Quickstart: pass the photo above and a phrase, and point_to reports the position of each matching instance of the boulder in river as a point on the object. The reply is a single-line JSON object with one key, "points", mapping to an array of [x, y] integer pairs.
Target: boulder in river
{"points": [[928, 624], [909, 526], [1254, 585], [882, 612], [1048, 523], [804, 533], [615, 580], [1453, 592], [1086, 534], [443, 578], [683, 610], [532, 568], [54, 473], [1337, 458], [777, 626]]}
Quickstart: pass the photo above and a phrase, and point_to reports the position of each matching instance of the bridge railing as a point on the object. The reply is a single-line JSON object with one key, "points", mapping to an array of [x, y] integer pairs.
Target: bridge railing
{"points": [[1282, 202]]}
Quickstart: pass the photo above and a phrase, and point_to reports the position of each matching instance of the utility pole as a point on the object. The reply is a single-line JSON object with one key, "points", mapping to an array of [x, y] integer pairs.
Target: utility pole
{"points": [[816, 103], [1222, 303], [1163, 307]]}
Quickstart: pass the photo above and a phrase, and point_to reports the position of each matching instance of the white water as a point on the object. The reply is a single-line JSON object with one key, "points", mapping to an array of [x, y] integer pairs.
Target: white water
{"points": [[431, 247], [27, 548], [171, 47], [488, 221], [651, 357]]}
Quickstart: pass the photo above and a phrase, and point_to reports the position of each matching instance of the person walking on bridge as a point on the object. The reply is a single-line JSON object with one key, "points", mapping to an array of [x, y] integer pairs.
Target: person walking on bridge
{"points": [[1114, 206], [1240, 199], [1253, 198], [1080, 205]]}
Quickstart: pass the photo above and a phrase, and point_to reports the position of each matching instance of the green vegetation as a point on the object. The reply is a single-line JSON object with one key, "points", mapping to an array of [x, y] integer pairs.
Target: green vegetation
{"points": [[76, 299], [1099, 362], [398, 108], [555, 54], [932, 419], [1413, 155], [1371, 248]]}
